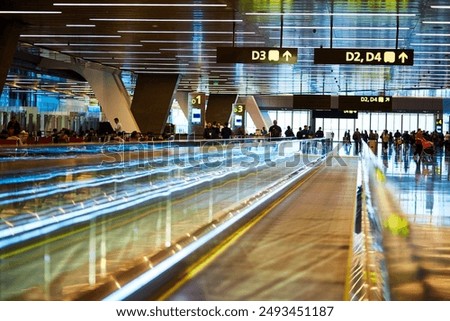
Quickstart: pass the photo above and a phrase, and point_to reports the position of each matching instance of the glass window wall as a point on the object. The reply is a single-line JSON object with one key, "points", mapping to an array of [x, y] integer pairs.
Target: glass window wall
{"points": [[365, 121], [250, 127], [300, 119], [378, 122], [293, 118]]}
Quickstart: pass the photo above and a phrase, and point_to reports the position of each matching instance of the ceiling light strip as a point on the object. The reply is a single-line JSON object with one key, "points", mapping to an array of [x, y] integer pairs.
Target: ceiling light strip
{"points": [[105, 45], [343, 14], [73, 4], [29, 12], [163, 20], [437, 22], [146, 64], [186, 41], [80, 26], [431, 44], [338, 39], [187, 49], [156, 59], [70, 36], [433, 34], [187, 32], [103, 52], [337, 28]]}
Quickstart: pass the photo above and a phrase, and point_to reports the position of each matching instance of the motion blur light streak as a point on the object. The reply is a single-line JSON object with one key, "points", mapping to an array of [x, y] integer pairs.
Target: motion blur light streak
{"points": [[124, 196]]}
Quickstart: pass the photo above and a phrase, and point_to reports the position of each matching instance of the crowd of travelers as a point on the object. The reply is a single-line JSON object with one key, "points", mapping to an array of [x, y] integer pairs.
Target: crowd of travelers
{"points": [[416, 140], [18, 136], [215, 130]]}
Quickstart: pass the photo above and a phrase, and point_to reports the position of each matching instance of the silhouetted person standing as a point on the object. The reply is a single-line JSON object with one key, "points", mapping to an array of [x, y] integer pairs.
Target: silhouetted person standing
{"points": [[357, 139], [275, 130]]}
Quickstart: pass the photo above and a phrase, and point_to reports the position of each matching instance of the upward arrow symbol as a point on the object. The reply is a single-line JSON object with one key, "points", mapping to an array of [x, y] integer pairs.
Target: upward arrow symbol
{"points": [[287, 55], [403, 56]]}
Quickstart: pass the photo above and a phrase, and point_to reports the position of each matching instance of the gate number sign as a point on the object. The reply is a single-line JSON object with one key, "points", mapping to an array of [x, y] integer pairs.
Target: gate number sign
{"points": [[403, 57]]}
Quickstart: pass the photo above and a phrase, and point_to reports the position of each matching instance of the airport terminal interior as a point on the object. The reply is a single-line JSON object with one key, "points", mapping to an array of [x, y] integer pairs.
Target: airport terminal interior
{"points": [[230, 150]]}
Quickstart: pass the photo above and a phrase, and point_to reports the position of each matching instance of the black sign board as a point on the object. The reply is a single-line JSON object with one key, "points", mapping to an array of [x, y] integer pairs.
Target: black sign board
{"points": [[370, 103], [311, 101], [332, 56], [256, 55], [335, 113]]}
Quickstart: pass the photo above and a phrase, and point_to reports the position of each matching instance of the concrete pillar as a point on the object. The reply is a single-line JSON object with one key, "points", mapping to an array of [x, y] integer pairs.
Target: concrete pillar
{"points": [[9, 36], [219, 107], [152, 100], [107, 86]]}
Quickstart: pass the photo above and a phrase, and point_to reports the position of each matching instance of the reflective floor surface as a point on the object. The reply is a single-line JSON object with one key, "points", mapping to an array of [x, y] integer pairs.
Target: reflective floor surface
{"points": [[421, 184]]}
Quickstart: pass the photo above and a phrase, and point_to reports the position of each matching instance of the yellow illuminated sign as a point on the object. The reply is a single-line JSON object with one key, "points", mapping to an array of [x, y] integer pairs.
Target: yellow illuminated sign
{"points": [[388, 5]]}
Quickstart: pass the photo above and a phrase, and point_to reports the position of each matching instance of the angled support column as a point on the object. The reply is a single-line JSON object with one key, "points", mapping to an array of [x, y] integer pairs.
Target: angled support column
{"points": [[9, 36], [219, 107], [152, 100], [182, 98], [112, 96], [253, 110], [267, 119], [107, 86]]}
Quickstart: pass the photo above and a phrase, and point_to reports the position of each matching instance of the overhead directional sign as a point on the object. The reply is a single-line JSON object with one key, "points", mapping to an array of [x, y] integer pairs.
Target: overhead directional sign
{"points": [[335, 113], [332, 56], [311, 101], [251, 55], [370, 103]]}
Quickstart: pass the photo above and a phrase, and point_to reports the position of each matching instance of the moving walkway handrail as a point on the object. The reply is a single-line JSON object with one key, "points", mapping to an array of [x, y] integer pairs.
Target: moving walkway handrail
{"points": [[148, 279], [385, 231]]}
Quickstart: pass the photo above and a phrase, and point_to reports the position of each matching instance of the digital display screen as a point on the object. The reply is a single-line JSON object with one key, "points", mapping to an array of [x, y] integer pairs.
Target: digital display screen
{"points": [[196, 115], [238, 120]]}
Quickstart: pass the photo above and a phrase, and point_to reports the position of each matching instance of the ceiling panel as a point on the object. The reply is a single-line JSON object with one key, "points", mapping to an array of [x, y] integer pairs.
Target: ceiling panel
{"points": [[182, 37]]}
